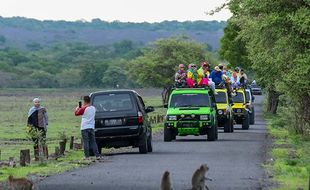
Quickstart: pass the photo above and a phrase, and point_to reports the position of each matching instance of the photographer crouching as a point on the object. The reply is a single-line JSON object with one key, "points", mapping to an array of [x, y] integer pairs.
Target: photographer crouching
{"points": [[87, 111]]}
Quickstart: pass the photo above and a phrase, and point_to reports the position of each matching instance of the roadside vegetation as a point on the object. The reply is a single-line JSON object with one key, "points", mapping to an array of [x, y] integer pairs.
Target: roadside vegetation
{"points": [[272, 39]]}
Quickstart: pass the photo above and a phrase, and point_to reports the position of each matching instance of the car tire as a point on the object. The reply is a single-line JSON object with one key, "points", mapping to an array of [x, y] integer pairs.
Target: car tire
{"points": [[211, 133], [231, 125], [150, 144], [246, 122], [143, 145], [227, 126], [252, 117], [167, 134]]}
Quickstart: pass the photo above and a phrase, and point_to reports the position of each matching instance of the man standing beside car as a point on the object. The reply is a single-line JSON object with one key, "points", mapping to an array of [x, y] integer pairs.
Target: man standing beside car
{"points": [[87, 111]]}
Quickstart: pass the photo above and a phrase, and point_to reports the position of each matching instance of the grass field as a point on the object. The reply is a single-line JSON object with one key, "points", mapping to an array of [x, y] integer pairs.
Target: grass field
{"points": [[60, 104]]}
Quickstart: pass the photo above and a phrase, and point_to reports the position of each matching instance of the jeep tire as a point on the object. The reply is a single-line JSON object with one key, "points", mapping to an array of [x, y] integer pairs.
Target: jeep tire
{"points": [[227, 126], [211, 133], [167, 134], [246, 122], [252, 117]]}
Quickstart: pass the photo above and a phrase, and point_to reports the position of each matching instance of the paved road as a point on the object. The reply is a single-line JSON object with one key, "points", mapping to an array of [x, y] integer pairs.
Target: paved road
{"points": [[234, 160]]}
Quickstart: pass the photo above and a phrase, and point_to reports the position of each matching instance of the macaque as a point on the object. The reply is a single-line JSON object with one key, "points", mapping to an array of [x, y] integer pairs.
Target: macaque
{"points": [[166, 181], [198, 179], [19, 183]]}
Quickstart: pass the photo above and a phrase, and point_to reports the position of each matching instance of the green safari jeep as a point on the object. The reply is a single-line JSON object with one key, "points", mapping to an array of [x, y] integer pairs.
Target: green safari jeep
{"points": [[191, 111]]}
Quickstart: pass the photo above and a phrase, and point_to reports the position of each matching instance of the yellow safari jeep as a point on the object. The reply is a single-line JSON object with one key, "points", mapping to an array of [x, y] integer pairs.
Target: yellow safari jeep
{"points": [[224, 110], [240, 111]]}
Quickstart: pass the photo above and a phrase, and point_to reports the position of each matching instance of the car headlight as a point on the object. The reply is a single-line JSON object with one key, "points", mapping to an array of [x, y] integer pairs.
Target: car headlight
{"points": [[204, 117], [220, 112], [172, 118]]}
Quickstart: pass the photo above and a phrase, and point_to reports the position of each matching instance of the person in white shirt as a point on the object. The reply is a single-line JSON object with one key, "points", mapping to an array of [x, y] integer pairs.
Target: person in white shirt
{"points": [[87, 111]]}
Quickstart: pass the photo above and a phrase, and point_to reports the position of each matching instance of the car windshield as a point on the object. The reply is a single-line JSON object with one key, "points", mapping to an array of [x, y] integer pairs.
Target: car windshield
{"points": [[238, 98], [190, 100], [113, 102], [220, 97]]}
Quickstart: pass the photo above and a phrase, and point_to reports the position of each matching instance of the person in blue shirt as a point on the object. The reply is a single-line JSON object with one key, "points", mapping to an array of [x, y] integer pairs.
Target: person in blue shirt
{"points": [[216, 76]]}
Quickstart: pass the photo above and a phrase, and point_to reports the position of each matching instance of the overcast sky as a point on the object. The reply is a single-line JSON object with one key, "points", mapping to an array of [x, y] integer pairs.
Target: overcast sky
{"points": [[109, 10]]}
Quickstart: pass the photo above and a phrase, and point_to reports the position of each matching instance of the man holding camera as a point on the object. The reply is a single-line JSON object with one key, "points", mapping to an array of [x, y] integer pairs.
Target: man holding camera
{"points": [[87, 111]]}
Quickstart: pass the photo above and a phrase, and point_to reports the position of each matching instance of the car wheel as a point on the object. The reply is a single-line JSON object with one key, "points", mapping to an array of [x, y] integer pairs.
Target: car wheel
{"points": [[143, 145], [150, 144], [227, 126], [167, 134], [246, 122], [252, 117], [231, 125], [211, 133]]}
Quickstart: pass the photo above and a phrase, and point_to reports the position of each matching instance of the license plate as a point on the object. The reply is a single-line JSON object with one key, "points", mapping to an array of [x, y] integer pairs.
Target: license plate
{"points": [[113, 122], [188, 125]]}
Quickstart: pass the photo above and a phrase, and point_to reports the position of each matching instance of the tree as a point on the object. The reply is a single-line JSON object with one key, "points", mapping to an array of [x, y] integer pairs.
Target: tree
{"points": [[233, 48], [43, 79], [69, 78], [158, 65], [276, 36], [113, 76]]}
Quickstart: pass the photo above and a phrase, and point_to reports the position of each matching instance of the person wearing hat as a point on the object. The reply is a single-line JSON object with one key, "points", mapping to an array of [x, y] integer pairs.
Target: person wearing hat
{"points": [[195, 78], [180, 76], [216, 75], [37, 119]]}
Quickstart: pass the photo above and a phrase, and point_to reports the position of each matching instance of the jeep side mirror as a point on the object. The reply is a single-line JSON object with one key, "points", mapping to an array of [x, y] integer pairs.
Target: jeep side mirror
{"points": [[149, 109], [165, 105], [232, 104]]}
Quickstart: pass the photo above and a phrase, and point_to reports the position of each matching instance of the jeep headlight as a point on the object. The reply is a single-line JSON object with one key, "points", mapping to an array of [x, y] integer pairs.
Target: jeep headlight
{"points": [[204, 117], [220, 112], [172, 118]]}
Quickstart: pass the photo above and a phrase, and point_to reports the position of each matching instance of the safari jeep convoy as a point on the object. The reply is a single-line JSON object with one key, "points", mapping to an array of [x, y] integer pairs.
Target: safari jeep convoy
{"points": [[199, 111]]}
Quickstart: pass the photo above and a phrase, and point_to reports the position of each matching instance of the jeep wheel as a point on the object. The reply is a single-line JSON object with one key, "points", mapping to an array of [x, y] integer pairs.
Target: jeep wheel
{"points": [[227, 126], [246, 122], [167, 134], [150, 144], [252, 117], [143, 145], [231, 125], [211, 133]]}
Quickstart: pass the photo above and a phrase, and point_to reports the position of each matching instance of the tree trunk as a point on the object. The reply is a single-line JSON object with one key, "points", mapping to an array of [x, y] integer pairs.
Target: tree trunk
{"points": [[24, 157], [57, 152], [71, 142], [45, 151], [62, 147], [36, 153], [273, 100]]}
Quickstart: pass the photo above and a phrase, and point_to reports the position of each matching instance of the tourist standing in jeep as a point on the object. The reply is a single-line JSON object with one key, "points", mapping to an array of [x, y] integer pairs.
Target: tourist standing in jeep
{"points": [[180, 76]]}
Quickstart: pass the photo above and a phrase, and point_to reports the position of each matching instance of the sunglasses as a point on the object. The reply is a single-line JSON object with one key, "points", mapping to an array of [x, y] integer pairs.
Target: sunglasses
{"points": [[193, 66]]}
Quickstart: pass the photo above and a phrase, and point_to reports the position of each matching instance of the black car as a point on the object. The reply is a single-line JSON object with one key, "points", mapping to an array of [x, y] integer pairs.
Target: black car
{"points": [[256, 90], [121, 120]]}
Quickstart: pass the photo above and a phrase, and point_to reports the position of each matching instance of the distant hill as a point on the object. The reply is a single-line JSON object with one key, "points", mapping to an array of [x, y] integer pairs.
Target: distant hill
{"points": [[23, 32]]}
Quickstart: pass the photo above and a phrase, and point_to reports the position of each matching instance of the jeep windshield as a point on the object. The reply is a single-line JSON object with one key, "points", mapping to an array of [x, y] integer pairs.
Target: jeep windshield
{"points": [[190, 100], [220, 97], [238, 98], [113, 102]]}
